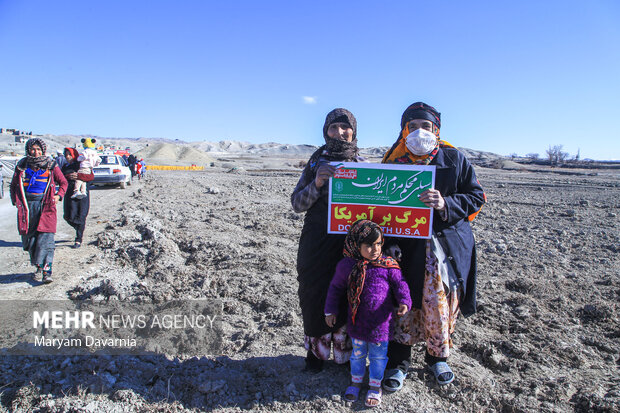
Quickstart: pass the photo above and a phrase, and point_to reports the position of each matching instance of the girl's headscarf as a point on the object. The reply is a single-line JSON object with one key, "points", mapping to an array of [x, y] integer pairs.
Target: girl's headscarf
{"points": [[37, 162], [399, 153], [357, 233], [335, 149]]}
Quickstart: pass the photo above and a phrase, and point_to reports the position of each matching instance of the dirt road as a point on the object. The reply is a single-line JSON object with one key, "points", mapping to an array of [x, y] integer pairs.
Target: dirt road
{"points": [[70, 265]]}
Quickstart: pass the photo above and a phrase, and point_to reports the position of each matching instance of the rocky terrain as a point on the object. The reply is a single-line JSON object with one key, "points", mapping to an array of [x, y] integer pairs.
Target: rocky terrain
{"points": [[546, 336]]}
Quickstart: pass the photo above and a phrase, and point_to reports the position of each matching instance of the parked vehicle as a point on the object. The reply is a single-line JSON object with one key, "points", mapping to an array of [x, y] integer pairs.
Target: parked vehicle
{"points": [[112, 170]]}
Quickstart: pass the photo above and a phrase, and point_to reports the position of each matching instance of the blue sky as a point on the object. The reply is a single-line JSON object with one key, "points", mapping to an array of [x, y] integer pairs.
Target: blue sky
{"points": [[508, 77]]}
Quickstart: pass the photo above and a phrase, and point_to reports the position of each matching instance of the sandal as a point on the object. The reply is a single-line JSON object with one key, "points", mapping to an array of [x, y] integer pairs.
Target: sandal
{"points": [[442, 372], [373, 395], [352, 393], [393, 380]]}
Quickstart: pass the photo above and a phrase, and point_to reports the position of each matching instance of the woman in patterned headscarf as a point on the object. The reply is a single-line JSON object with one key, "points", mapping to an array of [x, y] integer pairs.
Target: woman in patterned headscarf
{"points": [[441, 272], [33, 192], [319, 252]]}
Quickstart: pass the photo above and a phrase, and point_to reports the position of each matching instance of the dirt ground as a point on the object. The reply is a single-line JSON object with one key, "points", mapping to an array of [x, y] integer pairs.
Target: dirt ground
{"points": [[546, 336]]}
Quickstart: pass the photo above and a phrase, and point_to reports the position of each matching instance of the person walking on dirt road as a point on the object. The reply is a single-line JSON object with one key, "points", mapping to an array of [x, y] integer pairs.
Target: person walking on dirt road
{"points": [[33, 192], [75, 210]]}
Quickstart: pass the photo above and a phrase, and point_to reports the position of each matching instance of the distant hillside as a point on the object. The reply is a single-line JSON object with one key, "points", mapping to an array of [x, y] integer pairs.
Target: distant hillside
{"points": [[177, 151], [270, 148]]}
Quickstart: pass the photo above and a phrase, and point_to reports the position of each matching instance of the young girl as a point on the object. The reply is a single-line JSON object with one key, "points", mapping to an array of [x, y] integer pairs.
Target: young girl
{"points": [[372, 283]]}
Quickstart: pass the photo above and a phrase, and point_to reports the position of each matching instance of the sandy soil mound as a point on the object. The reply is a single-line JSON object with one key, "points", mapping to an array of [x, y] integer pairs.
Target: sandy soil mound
{"points": [[175, 154]]}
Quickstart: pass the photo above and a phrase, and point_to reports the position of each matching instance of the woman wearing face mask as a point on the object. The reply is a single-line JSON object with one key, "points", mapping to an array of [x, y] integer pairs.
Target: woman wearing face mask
{"points": [[441, 272], [319, 252]]}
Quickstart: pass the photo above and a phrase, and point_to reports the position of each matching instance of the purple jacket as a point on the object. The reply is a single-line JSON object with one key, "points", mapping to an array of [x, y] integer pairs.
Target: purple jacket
{"points": [[384, 289]]}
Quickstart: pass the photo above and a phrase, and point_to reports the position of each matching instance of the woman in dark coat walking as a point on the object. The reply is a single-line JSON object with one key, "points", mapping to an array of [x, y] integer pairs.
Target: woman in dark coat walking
{"points": [[76, 209], [319, 252], [441, 272]]}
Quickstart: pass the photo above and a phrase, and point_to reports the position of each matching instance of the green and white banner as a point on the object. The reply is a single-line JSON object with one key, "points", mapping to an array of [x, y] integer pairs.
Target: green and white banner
{"points": [[383, 193]]}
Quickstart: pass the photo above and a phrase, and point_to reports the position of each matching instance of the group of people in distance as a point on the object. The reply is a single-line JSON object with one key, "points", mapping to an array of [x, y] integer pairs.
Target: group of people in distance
{"points": [[366, 295], [362, 295], [34, 193], [137, 166]]}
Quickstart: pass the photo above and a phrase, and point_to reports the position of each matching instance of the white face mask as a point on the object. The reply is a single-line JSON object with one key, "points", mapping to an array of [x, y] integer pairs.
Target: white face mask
{"points": [[421, 142]]}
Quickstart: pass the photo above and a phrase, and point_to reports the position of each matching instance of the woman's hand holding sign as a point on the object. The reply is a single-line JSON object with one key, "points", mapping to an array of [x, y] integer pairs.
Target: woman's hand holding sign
{"points": [[323, 174], [432, 198]]}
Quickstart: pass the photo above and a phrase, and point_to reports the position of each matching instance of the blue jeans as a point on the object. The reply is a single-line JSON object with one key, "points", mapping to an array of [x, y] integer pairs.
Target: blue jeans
{"points": [[376, 353]]}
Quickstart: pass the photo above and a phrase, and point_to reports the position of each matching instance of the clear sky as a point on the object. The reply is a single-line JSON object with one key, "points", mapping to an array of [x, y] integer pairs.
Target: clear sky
{"points": [[507, 76]]}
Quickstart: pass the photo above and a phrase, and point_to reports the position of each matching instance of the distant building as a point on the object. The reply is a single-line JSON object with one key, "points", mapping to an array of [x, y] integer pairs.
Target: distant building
{"points": [[15, 132]]}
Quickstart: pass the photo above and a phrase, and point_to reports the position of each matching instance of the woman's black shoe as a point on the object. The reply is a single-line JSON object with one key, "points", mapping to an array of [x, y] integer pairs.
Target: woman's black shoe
{"points": [[313, 363]]}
